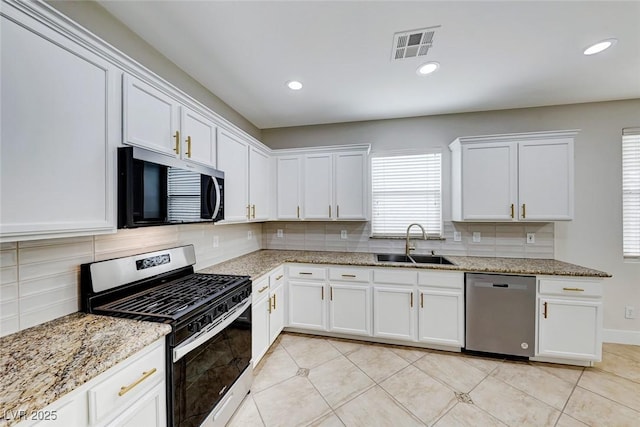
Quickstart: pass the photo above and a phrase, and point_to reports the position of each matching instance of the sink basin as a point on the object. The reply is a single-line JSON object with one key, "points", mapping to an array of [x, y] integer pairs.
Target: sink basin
{"points": [[414, 259]]}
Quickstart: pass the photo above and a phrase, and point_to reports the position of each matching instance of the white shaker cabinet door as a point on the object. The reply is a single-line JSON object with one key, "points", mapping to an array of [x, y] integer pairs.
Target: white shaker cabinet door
{"points": [[259, 184], [198, 138], [289, 187], [489, 181], [350, 186], [350, 308], [233, 160], [150, 117], [441, 317], [307, 305], [546, 180], [276, 319], [394, 312], [260, 328], [317, 186], [59, 130]]}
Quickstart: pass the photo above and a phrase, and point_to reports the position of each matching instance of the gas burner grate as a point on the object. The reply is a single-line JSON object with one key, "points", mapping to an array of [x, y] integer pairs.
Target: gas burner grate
{"points": [[173, 298]]}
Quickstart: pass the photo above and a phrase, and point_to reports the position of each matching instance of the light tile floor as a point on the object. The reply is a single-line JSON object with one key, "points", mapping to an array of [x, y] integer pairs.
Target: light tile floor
{"points": [[316, 381]]}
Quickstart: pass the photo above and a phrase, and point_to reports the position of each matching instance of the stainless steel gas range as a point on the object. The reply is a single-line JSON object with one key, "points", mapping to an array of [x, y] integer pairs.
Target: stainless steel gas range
{"points": [[209, 348]]}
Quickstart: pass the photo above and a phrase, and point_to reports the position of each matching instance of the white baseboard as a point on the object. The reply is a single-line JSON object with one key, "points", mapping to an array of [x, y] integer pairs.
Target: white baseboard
{"points": [[621, 336]]}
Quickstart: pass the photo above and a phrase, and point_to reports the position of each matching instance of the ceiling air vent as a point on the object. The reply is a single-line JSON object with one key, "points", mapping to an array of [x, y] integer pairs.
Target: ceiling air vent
{"points": [[412, 44]]}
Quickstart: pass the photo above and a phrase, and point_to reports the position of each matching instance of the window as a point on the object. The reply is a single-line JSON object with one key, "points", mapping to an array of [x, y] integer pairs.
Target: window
{"points": [[406, 189], [631, 193]]}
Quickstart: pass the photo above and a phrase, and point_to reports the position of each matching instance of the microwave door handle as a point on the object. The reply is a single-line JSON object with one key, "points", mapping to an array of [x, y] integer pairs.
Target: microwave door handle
{"points": [[217, 188]]}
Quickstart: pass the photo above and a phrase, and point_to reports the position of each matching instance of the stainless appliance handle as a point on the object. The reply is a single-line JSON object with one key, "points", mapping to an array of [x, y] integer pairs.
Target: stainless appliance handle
{"points": [[217, 208], [211, 331]]}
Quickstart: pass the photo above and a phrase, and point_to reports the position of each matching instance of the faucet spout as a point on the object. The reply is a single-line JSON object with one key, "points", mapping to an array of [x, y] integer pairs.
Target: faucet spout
{"points": [[408, 247]]}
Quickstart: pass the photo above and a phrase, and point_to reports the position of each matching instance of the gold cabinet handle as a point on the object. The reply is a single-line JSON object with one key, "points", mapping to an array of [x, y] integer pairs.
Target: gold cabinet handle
{"points": [[322, 289], [337, 211], [264, 288], [248, 212], [269, 306], [189, 146], [274, 302], [411, 299], [145, 375], [298, 212], [279, 277], [573, 289], [329, 211], [177, 147], [349, 275], [513, 213], [253, 211], [545, 310], [304, 273], [421, 300], [331, 293], [524, 210]]}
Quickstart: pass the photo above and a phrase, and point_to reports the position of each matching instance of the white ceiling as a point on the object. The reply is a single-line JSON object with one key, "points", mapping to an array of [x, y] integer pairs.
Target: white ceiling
{"points": [[493, 55]]}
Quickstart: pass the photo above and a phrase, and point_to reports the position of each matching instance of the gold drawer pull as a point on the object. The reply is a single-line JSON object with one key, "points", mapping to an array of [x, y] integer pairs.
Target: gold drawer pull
{"points": [[411, 299], [274, 302], [279, 277], [524, 210], [573, 289], [264, 288], [303, 273], [144, 376], [513, 215], [349, 275]]}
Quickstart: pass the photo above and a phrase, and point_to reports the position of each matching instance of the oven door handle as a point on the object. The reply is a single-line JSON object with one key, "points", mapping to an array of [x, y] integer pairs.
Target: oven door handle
{"points": [[184, 348]]}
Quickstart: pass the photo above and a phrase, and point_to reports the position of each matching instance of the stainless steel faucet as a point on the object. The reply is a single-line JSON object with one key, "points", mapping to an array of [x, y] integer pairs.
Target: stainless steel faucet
{"points": [[409, 248]]}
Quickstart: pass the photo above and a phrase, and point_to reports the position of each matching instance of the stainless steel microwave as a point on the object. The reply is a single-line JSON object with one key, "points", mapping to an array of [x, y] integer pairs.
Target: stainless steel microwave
{"points": [[155, 189]]}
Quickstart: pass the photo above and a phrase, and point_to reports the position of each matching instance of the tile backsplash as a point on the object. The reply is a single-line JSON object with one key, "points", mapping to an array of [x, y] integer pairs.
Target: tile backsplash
{"points": [[40, 279], [496, 239]]}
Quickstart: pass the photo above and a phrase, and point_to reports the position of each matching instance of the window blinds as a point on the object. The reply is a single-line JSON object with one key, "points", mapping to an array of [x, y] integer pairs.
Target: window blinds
{"points": [[631, 192], [406, 189]]}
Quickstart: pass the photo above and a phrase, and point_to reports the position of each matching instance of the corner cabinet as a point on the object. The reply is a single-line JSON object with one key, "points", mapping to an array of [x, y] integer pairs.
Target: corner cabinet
{"points": [[569, 319], [60, 125], [513, 177]]}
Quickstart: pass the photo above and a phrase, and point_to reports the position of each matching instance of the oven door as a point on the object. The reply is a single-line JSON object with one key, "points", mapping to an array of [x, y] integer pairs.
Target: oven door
{"points": [[205, 369]]}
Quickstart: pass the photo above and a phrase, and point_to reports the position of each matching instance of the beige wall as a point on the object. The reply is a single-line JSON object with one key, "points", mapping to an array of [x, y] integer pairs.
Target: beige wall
{"points": [[96, 19], [592, 239]]}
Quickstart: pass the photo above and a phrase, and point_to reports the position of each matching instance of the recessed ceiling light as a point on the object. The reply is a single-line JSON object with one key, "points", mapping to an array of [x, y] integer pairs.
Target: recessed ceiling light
{"points": [[294, 85], [600, 46], [427, 68]]}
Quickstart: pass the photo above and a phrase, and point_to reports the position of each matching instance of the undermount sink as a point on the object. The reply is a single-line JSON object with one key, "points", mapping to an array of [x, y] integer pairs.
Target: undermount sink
{"points": [[414, 259]]}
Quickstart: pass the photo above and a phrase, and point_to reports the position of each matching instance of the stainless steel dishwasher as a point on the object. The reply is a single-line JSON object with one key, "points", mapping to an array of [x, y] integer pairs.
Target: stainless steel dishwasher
{"points": [[500, 314]]}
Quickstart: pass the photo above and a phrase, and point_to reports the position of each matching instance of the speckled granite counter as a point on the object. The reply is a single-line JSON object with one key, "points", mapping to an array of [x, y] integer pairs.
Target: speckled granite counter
{"points": [[41, 364], [260, 262]]}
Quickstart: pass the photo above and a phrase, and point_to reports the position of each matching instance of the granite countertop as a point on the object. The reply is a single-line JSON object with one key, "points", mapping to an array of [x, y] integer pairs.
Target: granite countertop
{"points": [[261, 262], [41, 364]]}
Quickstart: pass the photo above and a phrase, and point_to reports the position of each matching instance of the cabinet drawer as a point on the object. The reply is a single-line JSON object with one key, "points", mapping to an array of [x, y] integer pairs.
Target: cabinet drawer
{"points": [[304, 272], [349, 274], [570, 287], [259, 288], [441, 279], [276, 277], [395, 275], [127, 383]]}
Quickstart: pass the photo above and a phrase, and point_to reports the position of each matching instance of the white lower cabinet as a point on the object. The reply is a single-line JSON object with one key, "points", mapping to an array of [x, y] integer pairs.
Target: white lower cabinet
{"points": [[350, 308], [132, 393], [307, 305], [569, 319], [267, 312], [394, 312], [441, 308]]}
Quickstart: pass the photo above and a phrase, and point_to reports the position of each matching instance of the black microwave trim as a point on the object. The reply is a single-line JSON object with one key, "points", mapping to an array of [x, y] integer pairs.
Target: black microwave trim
{"points": [[127, 157]]}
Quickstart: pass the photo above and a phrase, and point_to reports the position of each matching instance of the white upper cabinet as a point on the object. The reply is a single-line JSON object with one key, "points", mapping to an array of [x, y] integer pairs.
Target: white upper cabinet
{"points": [[150, 117], [198, 138], [350, 185], [259, 184], [289, 187], [247, 178], [514, 177], [330, 183], [59, 128], [318, 195]]}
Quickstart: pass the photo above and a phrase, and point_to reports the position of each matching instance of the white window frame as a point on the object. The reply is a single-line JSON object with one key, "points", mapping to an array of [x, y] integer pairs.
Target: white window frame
{"points": [[375, 233], [631, 194]]}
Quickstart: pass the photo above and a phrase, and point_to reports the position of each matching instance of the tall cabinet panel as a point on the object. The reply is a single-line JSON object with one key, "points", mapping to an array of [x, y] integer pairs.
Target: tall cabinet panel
{"points": [[59, 128], [259, 184], [233, 160], [289, 187], [318, 169], [350, 186]]}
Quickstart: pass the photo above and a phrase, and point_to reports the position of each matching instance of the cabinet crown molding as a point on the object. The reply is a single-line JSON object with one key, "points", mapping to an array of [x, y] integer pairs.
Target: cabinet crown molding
{"points": [[506, 137], [322, 149]]}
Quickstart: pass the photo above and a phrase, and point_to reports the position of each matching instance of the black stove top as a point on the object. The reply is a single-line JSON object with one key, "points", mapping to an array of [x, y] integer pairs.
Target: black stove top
{"points": [[174, 299]]}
